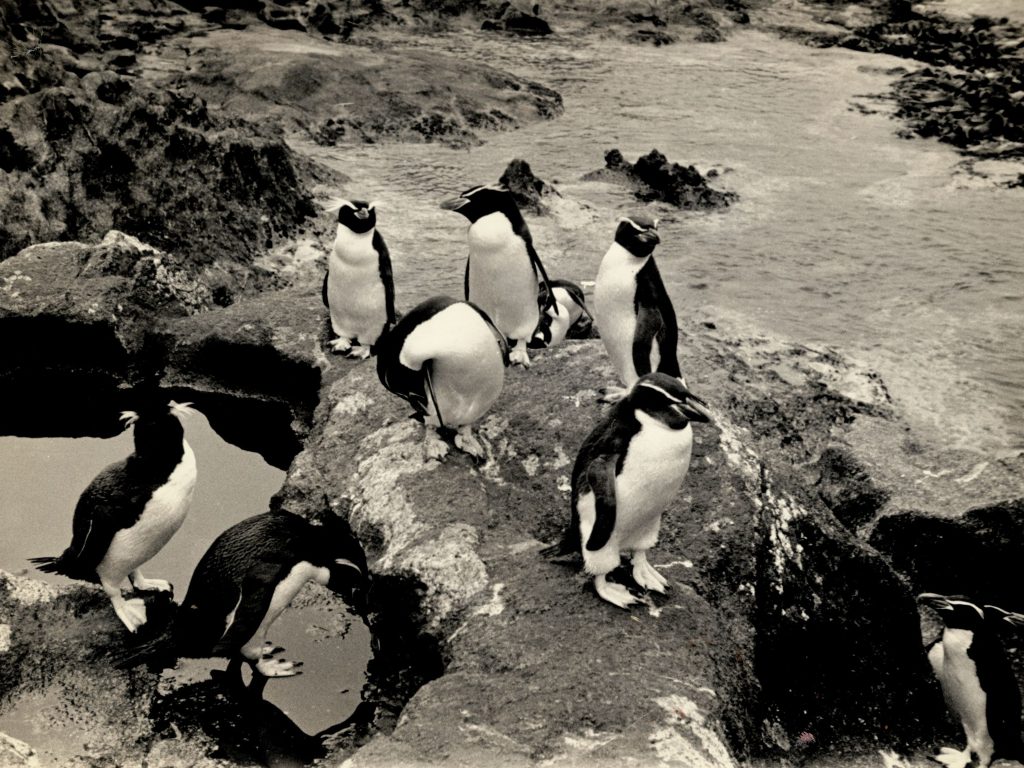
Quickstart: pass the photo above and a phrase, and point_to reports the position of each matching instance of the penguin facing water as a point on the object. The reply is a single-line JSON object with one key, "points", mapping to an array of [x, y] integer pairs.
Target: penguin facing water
{"points": [[358, 289], [131, 509], [246, 579], [634, 312], [976, 679], [447, 359], [503, 268], [627, 472]]}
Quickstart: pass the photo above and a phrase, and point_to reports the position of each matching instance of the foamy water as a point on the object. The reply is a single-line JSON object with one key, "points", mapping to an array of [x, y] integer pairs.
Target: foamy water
{"points": [[845, 235]]}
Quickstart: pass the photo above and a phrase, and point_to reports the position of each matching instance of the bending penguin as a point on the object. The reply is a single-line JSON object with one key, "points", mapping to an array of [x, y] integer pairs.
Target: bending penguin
{"points": [[358, 289], [503, 267], [628, 470], [568, 311], [977, 681], [131, 509], [635, 315], [243, 583], [448, 360]]}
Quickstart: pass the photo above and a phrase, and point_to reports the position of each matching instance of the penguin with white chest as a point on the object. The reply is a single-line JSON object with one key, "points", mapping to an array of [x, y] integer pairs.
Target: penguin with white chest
{"points": [[130, 510], [503, 268], [447, 359], [249, 575], [358, 289], [627, 472], [568, 311], [977, 680], [634, 312]]}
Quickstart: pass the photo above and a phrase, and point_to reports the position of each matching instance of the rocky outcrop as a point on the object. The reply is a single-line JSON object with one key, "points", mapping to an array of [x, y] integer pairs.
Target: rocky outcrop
{"points": [[653, 177], [518, 22], [528, 191]]}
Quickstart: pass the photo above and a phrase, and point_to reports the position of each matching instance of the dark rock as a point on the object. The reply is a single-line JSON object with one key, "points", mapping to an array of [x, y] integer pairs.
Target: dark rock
{"points": [[847, 489], [527, 189], [977, 553], [655, 36], [515, 21], [654, 178]]}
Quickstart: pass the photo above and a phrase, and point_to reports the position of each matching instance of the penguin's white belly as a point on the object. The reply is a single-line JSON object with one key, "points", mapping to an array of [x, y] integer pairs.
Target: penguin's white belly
{"points": [[160, 519], [964, 695], [468, 370], [356, 296], [502, 281], [615, 305], [284, 593]]}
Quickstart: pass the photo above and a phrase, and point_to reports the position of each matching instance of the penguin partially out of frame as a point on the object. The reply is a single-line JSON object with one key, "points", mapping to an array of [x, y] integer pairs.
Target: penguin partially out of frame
{"points": [[627, 472], [634, 312], [131, 509], [503, 268], [358, 289], [448, 360], [977, 680]]}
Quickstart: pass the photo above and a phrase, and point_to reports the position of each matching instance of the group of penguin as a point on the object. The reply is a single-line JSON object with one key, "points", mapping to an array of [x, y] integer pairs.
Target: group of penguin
{"points": [[447, 358]]}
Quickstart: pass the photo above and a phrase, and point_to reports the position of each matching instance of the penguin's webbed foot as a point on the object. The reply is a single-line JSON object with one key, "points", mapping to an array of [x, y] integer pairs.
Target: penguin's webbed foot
{"points": [[142, 584], [519, 356], [616, 594], [357, 352], [467, 442], [954, 758], [434, 447], [131, 612], [340, 345], [647, 576], [270, 666], [611, 394]]}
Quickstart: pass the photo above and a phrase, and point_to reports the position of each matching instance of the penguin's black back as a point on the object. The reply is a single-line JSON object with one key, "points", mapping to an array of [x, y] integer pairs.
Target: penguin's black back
{"points": [[1003, 703], [116, 497], [652, 300]]}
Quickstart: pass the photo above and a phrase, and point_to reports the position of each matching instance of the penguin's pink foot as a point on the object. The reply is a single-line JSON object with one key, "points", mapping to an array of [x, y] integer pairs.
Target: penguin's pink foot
{"points": [[433, 446], [611, 394], [467, 442], [131, 612], [646, 576], [519, 356], [142, 584], [269, 666], [357, 352], [616, 594], [340, 345]]}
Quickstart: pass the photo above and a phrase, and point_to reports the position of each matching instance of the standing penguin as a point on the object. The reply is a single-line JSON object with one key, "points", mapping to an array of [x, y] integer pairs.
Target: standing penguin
{"points": [[503, 267], [977, 681], [131, 510], [635, 315], [358, 289], [568, 310], [448, 360], [243, 583], [628, 470]]}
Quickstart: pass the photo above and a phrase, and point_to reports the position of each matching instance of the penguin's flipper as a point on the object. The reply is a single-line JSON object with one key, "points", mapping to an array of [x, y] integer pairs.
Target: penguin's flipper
{"points": [[323, 290], [651, 293], [601, 479], [428, 380], [649, 327], [254, 596], [386, 275], [465, 281], [498, 335], [538, 268]]}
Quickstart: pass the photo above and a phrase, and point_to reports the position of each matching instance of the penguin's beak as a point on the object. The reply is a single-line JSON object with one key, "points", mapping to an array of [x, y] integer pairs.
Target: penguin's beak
{"points": [[693, 409], [181, 409], [1013, 619], [935, 601], [453, 204], [649, 236], [362, 213]]}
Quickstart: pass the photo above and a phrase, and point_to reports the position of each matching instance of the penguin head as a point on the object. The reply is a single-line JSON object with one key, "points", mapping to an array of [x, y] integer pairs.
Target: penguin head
{"points": [[477, 202], [358, 215], [157, 425], [956, 611], [1002, 618], [667, 399], [638, 234], [343, 556]]}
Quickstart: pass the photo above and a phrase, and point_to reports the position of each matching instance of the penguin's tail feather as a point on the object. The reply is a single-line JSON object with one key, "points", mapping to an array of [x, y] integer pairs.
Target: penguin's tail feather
{"points": [[47, 564], [568, 546], [157, 653]]}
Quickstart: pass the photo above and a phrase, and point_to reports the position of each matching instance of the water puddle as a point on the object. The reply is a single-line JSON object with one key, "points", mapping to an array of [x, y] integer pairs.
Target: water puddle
{"points": [[41, 477]]}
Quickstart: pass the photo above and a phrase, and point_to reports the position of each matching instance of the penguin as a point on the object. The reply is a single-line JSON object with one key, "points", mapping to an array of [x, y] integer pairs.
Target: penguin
{"points": [[358, 289], [977, 680], [567, 312], [503, 268], [249, 575], [635, 315], [628, 470], [131, 509], [448, 360]]}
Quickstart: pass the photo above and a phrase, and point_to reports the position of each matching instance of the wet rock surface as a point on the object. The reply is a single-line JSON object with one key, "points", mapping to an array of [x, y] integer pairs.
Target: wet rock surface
{"points": [[529, 191], [654, 177]]}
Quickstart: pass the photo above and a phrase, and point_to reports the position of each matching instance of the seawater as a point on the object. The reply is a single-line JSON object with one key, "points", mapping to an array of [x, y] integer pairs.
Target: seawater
{"points": [[845, 234]]}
